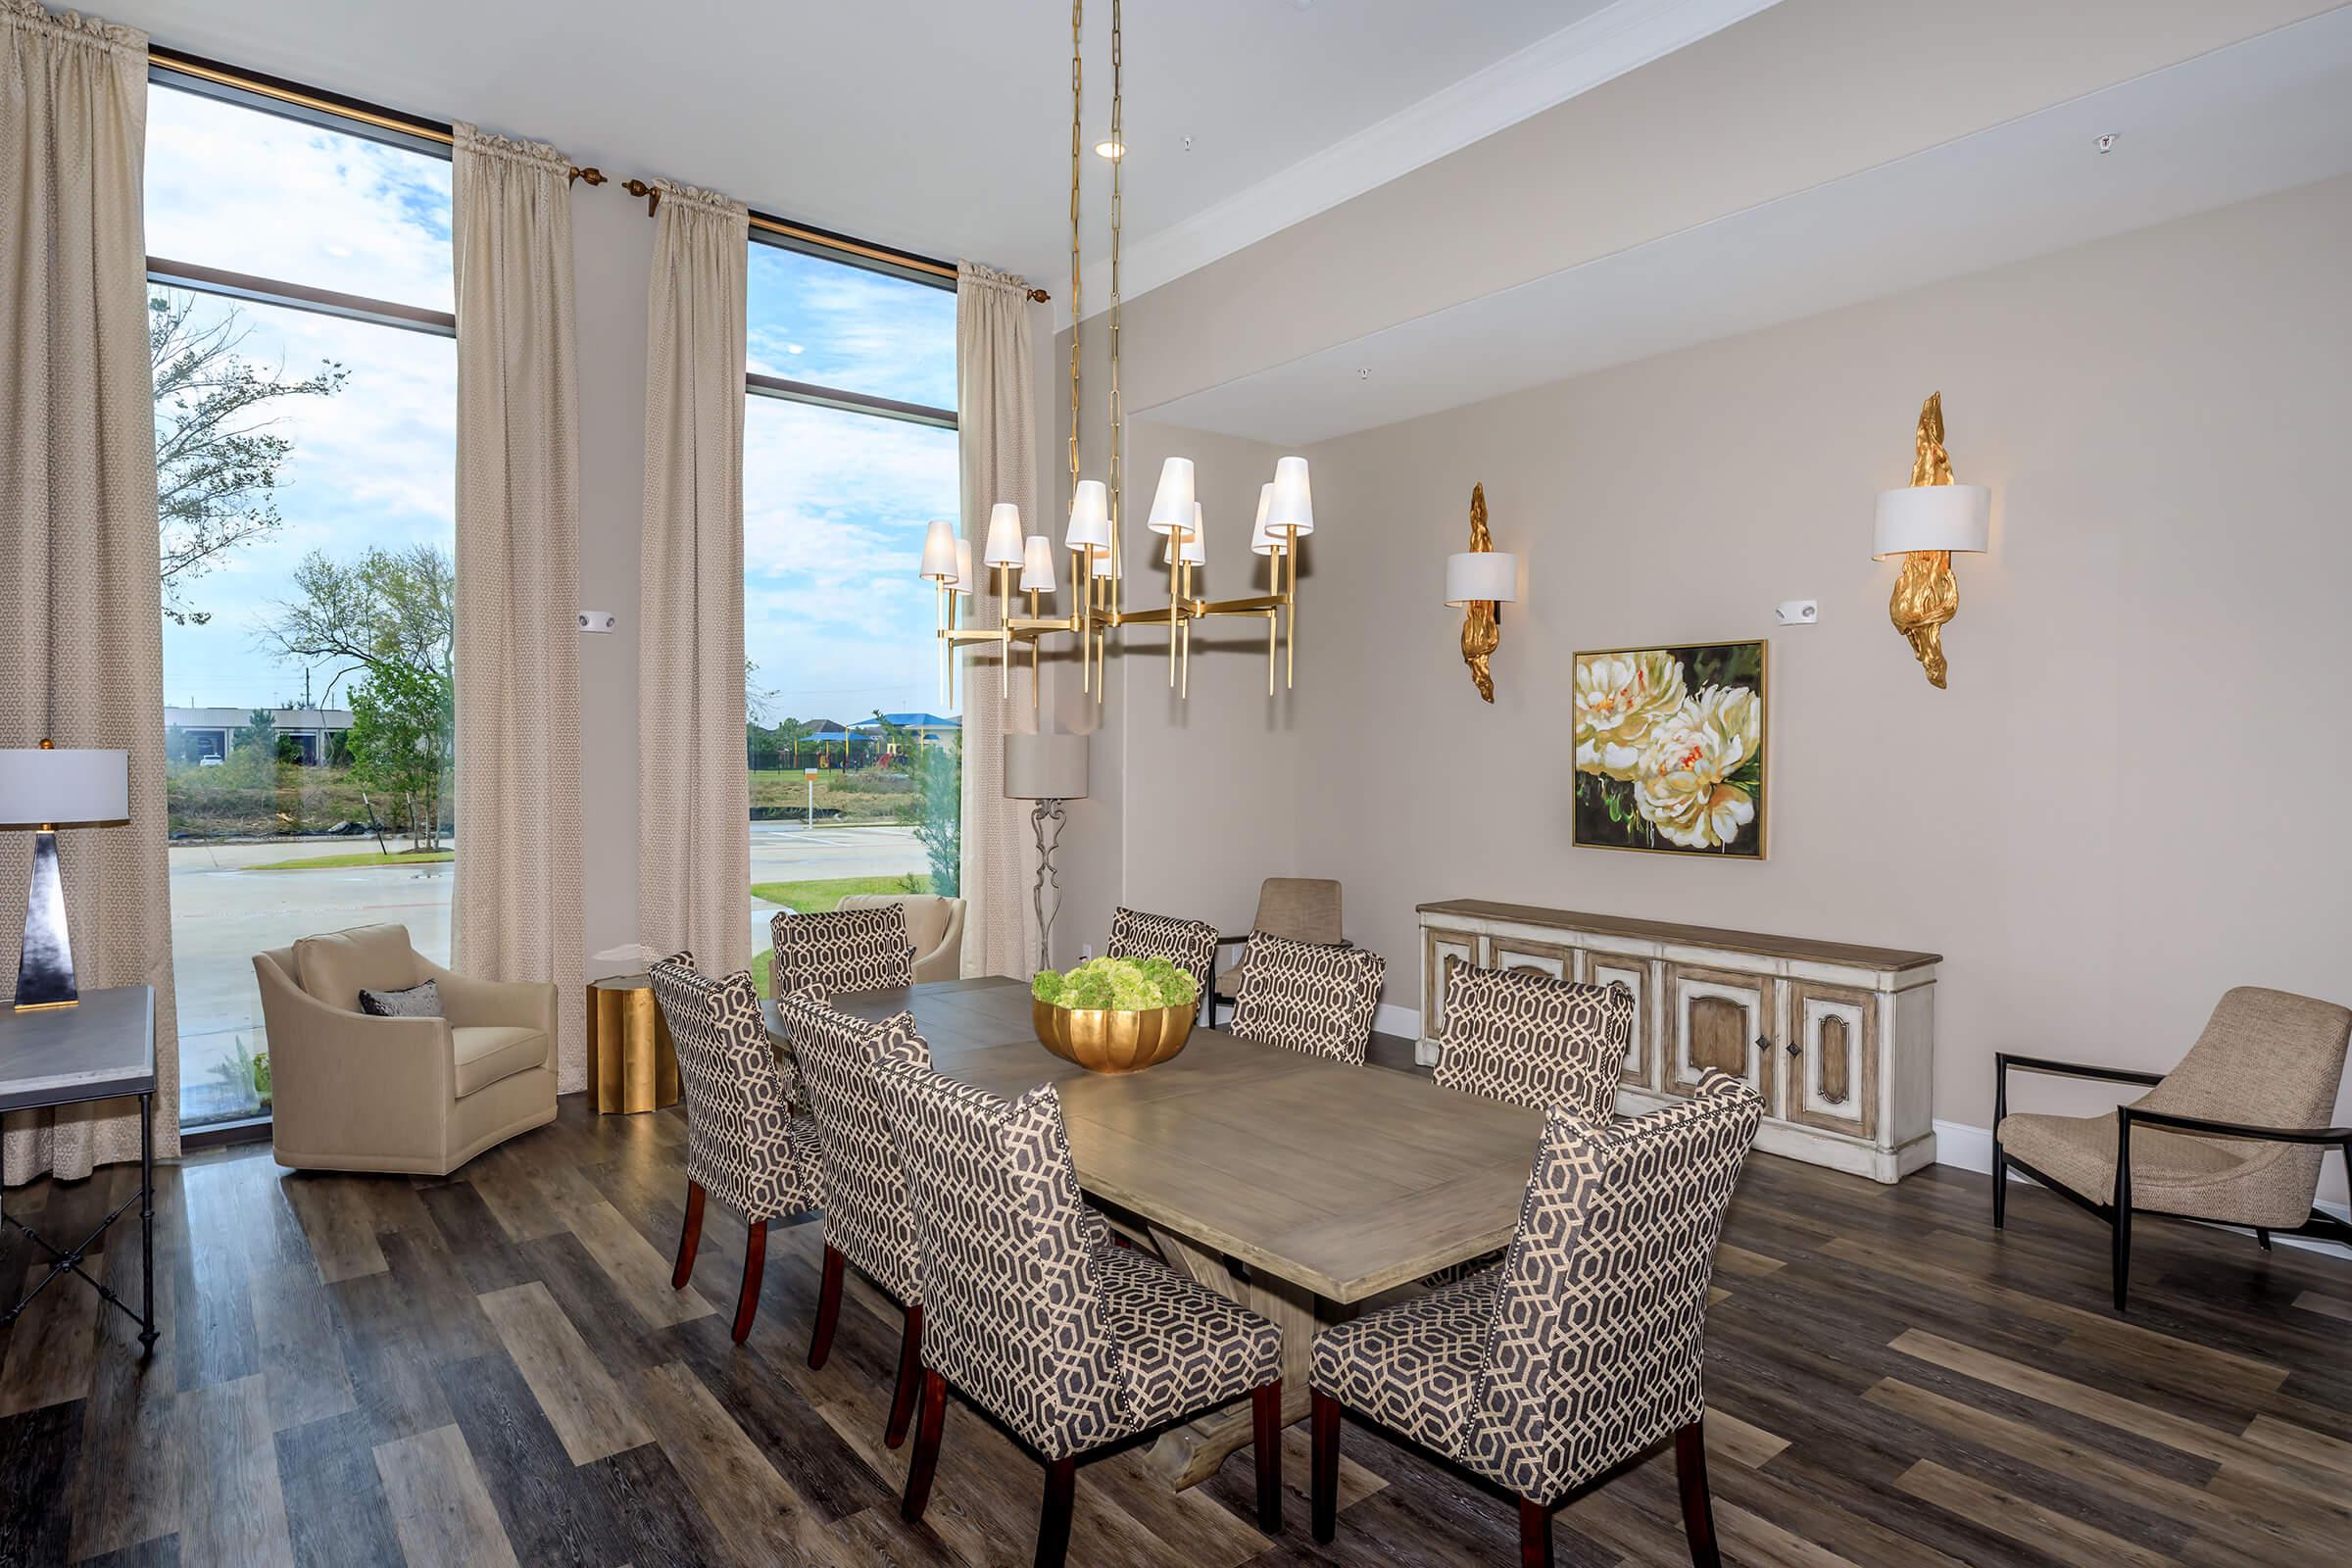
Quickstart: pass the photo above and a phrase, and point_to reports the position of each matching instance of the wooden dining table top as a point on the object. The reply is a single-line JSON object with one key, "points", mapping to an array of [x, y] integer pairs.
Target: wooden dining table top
{"points": [[1343, 1180]]}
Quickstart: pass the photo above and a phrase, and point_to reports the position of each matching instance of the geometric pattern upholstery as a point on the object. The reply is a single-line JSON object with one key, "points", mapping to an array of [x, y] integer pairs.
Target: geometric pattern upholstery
{"points": [[1189, 945], [840, 951], [744, 1146], [2266, 1058], [1028, 1309], [1306, 997], [1584, 1346], [1521, 1036], [865, 1187]]}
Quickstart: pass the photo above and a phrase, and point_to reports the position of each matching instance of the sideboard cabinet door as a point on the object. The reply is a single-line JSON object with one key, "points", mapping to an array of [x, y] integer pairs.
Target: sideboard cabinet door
{"points": [[1834, 1067], [1716, 1018]]}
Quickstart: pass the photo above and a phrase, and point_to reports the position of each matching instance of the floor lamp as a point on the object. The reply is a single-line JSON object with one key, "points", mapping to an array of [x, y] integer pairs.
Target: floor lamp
{"points": [[1048, 769]]}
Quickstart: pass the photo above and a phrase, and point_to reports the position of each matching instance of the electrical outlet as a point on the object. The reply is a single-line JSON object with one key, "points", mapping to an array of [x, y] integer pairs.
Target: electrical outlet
{"points": [[1798, 613], [598, 621], [1086, 950]]}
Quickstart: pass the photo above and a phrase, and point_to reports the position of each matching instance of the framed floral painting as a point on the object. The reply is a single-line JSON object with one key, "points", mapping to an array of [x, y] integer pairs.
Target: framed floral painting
{"points": [[1670, 749]]}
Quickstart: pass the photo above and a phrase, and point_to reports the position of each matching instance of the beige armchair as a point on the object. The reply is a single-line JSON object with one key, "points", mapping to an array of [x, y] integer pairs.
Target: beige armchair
{"points": [[934, 928], [1303, 908], [417, 1096]]}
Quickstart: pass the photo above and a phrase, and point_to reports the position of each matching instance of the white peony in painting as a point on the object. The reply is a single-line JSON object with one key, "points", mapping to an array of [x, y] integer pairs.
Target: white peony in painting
{"points": [[1670, 749]]}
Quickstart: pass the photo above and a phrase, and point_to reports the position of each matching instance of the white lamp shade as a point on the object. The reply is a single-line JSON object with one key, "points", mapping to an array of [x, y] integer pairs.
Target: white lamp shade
{"points": [[1262, 542], [1482, 574], [1290, 514], [965, 582], [1932, 516], [1045, 767], [1196, 548], [65, 787], [1104, 566], [1172, 504], [1090, 517], [1037, 566], [1004, 546], [939, 552]]}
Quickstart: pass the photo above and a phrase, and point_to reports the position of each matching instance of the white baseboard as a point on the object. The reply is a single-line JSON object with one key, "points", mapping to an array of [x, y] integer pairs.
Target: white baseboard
{"points": [[1967, 1147], [1393, 1019]]}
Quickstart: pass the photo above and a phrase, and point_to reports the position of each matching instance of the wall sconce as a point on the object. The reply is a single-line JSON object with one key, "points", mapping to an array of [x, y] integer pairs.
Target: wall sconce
{"points": [[1481, 580], [1925, 523]]}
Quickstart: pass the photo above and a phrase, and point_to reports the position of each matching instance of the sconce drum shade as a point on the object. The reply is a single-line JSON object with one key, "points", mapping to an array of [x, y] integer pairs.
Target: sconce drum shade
{"points": [[1090, 517], [965, 582], [1290, 514], [1932, 516], [1037, 566], [1045, 767], [65, 787], [939, 552], [1004, 536], [1172, 504], [1482, 574]]}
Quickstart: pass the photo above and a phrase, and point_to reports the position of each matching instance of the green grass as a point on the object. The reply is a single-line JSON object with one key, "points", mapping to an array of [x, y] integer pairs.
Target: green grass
{"points": [[340, 862], [820, 898]]}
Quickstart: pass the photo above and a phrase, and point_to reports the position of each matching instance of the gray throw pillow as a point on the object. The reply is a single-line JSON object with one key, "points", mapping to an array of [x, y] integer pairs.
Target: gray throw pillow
{"points": [[417, 1002]]}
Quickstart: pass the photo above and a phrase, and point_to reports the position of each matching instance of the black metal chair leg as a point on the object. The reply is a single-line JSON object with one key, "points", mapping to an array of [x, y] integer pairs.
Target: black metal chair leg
{"points": [[2264, 1237], [2121, 1219]]}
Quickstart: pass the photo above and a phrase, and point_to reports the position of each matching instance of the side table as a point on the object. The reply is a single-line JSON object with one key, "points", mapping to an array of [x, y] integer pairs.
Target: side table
{"points": [[631, 1063]]}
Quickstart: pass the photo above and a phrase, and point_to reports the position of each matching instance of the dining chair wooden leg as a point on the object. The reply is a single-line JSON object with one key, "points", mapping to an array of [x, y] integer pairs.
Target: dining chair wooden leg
{"points": [[828, 1312], [755, 1263], [1266, 1434], [910, 1376], [690, 1237], [1698, 1510], [924, 1461], [1535, 1535], [1324, 1488], [1053, 1522]]}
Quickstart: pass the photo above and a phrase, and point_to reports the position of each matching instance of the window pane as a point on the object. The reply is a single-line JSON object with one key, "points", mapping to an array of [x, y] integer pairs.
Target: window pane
{"points": [[843, 327], [838, 630], [249, 191]]}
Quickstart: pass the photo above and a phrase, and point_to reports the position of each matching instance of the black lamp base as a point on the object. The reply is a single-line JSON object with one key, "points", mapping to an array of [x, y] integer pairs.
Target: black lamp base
{"points": [[45, 971]]}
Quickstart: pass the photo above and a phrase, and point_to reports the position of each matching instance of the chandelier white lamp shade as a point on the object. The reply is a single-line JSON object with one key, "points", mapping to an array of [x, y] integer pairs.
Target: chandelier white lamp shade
{"points": [[1196, 543], [1090, 517], [1107, 567], [939, 552], [965, 582], [1172, 503], [1037, 566], [1292, 513], [1004, 547], [1956, 518], [1262, 541]]}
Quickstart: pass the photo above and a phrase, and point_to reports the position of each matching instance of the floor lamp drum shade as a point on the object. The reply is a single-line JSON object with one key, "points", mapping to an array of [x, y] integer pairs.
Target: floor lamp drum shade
{"points": [[44, 790], [1932, 516], [1045, 767]]}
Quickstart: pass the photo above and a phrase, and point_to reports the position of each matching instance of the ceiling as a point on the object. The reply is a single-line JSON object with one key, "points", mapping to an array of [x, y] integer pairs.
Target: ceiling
{"points": [[944, 129], [2259, 116]]}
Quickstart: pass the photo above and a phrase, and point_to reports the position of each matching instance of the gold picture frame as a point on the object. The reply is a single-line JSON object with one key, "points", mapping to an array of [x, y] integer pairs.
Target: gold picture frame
{"points": [[1671, 749]]}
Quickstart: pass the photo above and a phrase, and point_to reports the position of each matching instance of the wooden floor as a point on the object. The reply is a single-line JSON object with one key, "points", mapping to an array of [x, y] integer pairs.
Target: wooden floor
{"points": [[493, 1369]]}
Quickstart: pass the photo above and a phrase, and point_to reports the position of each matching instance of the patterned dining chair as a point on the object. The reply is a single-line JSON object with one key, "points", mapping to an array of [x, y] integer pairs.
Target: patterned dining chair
{"points": [[1521, 1036], [1305, 996], [1036, 1316], [1189, 945], [866, 1219], [744, 1146], [840, 951], [1584, 1348]]}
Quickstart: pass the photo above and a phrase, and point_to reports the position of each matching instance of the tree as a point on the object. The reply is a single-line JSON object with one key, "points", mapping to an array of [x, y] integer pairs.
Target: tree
{"points": [[402, 720], [386, 610], [757, 699], [258, 733], [938, 774], [216, 458]]}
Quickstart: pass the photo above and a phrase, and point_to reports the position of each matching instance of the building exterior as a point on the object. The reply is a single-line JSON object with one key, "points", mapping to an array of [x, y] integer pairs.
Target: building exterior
{"points": [[200, 733], [928, 728]]}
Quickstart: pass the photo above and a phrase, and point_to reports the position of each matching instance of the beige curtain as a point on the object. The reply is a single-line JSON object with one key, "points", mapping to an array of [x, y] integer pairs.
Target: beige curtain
{"points": [[516, 913], [81, 651], [693, 793], [996, 414]]}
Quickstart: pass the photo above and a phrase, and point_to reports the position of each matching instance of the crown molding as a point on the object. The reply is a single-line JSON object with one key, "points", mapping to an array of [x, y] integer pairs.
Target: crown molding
{"points": [[1603, 46]]}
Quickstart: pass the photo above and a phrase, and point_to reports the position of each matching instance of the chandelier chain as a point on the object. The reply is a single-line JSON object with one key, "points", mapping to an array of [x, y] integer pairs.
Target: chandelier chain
{"points": [[1118, 164], [1077, 282]]}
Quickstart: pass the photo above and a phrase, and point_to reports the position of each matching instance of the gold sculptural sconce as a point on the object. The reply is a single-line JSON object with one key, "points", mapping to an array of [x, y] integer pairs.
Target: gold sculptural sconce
{"points": [[1479, 582], [1925, 523]]}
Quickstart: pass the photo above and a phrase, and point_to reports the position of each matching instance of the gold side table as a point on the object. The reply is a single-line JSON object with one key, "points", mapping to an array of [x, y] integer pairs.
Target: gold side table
{"points": [[631, 1063]]}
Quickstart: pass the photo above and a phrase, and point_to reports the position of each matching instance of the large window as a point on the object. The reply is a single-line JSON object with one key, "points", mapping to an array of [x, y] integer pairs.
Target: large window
{"points": [[306, 399], [849, 450]]}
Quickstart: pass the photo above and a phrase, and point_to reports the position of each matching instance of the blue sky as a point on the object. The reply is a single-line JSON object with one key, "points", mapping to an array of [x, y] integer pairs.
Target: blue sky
{"points": [[834, 504]]}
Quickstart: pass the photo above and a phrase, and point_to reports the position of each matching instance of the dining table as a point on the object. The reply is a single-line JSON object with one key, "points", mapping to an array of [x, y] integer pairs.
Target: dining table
{"points": [[1297, 1185]]}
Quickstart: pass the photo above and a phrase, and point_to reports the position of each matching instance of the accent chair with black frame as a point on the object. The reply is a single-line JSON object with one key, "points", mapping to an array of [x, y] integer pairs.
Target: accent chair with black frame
{"points": [[1304, 996], [840, 951], [866, 1220], [744, 1146], [1584, 1348], [1189, 945], [1303, 908], [2236, 1134], [1037, 1317]]}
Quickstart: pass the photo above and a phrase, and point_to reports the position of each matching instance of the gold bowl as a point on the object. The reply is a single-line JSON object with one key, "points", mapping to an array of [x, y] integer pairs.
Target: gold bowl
{"points": [[1110, 1040]]}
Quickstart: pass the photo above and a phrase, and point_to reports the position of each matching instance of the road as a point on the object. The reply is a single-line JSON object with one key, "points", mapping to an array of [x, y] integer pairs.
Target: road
{"points": [[223, 913]]}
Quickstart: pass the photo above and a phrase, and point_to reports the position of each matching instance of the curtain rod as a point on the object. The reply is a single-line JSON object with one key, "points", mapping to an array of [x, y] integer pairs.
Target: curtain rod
{"points": [[368, 114]]}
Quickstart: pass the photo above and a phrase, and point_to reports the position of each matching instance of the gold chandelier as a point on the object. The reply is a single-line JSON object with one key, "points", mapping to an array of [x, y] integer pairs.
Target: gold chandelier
{"points": [[1286, 512]]}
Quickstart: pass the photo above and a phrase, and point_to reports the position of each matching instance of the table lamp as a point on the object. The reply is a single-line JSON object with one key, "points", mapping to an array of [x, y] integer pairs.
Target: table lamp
{"points": [[1048, 769], [43, 790]]}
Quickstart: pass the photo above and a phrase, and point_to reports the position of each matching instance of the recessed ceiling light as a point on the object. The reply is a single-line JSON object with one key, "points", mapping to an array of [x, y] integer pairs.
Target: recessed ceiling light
{"points": [[2107, 142], [1109, 148]]}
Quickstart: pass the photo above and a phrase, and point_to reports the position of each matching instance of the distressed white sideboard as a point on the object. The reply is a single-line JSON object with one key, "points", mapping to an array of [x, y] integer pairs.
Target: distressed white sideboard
{"points": [[1839, 1038]]}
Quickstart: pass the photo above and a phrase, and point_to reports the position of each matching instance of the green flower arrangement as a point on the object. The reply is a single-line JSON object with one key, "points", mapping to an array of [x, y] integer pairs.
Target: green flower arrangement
{"points": [[1121, 985]]}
